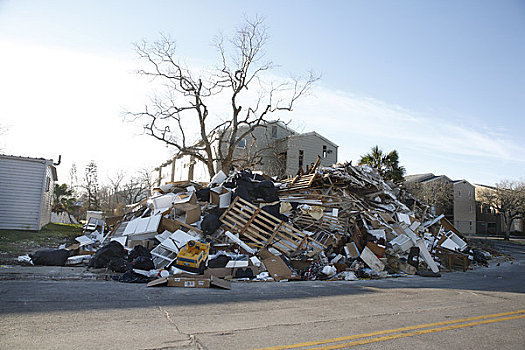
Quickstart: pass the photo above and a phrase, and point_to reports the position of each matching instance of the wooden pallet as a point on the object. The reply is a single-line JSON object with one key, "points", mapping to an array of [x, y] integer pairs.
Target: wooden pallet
{"points": [[299, 182], [264, 229]]}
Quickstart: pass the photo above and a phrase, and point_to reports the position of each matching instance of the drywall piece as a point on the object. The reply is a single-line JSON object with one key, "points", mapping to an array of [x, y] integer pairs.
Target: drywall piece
{"points": [[143, 226], [179, 238], [162, 202], [237, 240], [453, 242], [378, 234], [401, 217], [122, 240], [423, 253], [218, 178], [372, 260], [84, 240], [415, 225], [402, 243], [255, 261], [236, 263]]}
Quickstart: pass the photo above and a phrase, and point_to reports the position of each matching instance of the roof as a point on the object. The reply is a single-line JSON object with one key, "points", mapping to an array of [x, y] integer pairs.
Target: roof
{"points": [[48, 162], [418, 177], [313, 133]]}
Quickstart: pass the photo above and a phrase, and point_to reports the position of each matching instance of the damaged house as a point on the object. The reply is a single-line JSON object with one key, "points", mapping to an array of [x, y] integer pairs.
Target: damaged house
{"points": [[26, 192], [272, 148]]}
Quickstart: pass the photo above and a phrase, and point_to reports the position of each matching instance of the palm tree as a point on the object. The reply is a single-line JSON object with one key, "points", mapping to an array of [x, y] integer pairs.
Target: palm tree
{"points": [[386, 164]]}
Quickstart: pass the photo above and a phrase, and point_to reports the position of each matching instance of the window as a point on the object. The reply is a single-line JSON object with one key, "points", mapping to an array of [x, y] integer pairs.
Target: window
{"points": [[301, 158], [242, 144], [48, 183], [274, 131], [325, 151]]}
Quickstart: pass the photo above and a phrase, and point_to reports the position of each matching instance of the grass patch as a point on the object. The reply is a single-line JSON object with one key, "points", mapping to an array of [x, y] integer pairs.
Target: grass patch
{"points": [[14, 242]]}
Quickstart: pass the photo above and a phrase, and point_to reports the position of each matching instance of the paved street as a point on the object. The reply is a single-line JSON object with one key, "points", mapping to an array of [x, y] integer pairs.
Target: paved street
{"points": [[479, 309]]}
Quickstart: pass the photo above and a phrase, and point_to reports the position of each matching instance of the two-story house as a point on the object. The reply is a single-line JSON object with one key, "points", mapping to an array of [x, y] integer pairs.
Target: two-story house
{"points": [[273, 148]]}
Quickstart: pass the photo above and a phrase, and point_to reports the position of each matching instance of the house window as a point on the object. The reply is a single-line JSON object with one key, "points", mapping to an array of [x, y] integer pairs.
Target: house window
{"points": [[242, 144], [325, 151], [301, 158], [459, 193], [48, 183], [274, 131]]}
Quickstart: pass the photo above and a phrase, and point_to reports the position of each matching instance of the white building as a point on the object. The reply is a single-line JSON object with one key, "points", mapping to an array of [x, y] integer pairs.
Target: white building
{"points": [[26, 192], [272, 148]]}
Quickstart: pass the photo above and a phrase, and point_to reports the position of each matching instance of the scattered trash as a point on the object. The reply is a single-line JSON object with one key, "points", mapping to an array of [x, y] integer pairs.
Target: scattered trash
{"points": [[342, 222]]}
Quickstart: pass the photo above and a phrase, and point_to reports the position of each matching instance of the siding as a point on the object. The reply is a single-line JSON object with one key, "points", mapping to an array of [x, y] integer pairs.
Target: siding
{"points": [[312, 145], [21, 185], [47, 198], [464, 207]]}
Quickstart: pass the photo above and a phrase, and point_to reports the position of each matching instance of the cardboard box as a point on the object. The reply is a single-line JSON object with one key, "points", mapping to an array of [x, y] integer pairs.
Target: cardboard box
{"points": [[351, 250], [220, 196], [191, 213], [277, 268], [191, 282], [229, 273], [377, 249]]}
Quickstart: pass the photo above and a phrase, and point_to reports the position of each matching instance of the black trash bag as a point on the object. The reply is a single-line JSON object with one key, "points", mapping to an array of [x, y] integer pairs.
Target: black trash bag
{"points": [[244, 190], [143, 263], [131, 277], [244, 273], [219, 261], [119, 265], [103, 256], [203, 195], [266, 191], [138, 251], [274, 210], [413, 257], [210, 223], [50, 257]]}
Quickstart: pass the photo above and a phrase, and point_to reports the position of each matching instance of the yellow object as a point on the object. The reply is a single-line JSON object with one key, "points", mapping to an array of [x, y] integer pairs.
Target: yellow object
{"points": [[192, 257]]}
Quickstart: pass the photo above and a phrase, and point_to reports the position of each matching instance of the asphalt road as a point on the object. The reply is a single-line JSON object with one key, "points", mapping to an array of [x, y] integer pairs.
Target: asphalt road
{"points": [[479, 309]]}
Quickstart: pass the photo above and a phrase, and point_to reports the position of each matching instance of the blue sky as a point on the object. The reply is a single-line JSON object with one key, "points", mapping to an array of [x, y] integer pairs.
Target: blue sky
{"points": [[441, 82]]}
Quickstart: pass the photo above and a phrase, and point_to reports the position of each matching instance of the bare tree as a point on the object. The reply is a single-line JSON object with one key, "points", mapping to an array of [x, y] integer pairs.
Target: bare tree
{"points": [[508, 199], [437, 194], [188, 96]]}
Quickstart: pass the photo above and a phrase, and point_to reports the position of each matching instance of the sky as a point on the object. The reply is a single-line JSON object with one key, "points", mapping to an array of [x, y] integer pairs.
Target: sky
{"points": [[441, 82]]}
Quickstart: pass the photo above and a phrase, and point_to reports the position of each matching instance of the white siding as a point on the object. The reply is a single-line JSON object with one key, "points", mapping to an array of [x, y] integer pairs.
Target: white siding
{"points": [[22, 182], [312, 146]]}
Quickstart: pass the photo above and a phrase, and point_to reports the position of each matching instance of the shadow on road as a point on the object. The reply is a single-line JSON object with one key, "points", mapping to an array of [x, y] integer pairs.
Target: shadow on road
{"points": [[48, 296]]}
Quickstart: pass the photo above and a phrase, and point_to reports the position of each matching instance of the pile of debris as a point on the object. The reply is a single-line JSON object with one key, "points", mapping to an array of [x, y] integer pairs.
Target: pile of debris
{"points": [[340, 222]]}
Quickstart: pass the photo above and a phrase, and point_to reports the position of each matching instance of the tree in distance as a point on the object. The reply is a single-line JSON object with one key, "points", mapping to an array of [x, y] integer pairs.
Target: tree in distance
{"points": [[387, 164]]}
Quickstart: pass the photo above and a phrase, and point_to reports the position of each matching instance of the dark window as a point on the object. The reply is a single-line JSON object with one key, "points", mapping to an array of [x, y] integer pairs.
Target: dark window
{"points": [[301, 158], [325, 152], [242, 143], [48, 183], [274, 131]]}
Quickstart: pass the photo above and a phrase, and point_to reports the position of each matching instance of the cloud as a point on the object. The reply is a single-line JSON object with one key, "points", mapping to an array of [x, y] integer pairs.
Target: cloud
{"points": [[345, 115]]}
